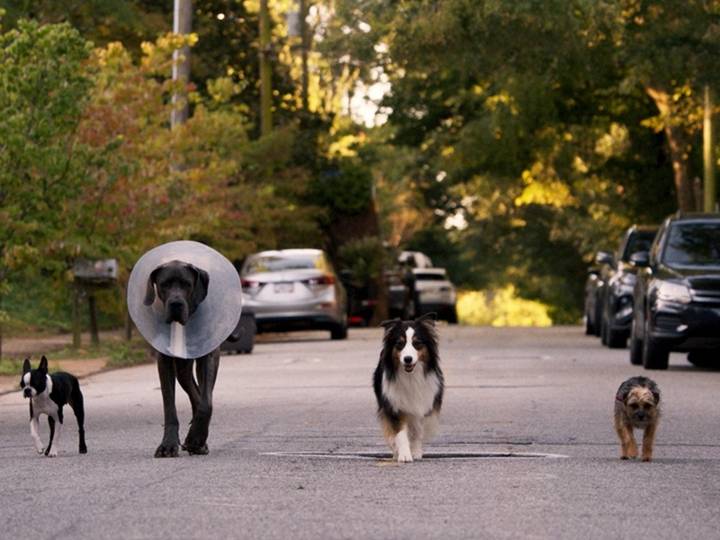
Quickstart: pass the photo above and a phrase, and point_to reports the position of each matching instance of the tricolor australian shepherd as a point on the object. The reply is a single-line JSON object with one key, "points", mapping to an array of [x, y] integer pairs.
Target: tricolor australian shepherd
{"points": [[408, 385]]}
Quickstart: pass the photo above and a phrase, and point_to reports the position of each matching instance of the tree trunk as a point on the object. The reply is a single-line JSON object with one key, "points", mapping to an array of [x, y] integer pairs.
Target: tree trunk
{"points": [[678, 145]]}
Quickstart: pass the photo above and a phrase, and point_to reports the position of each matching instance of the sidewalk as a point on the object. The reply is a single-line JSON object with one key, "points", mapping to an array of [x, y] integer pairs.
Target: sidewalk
{"points": [[36, 346]]}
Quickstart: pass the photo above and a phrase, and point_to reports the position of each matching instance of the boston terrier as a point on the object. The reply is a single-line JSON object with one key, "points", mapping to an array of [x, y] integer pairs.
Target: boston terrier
{"points": [[48, 394]]}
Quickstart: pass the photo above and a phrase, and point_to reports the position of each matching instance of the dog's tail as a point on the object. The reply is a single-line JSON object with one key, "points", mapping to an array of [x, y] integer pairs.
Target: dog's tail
{"points": [[76, 401]]}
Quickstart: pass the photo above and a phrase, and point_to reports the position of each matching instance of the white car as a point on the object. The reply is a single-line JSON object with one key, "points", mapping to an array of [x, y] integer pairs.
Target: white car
{"points": [[291, 289], [433, 291]]}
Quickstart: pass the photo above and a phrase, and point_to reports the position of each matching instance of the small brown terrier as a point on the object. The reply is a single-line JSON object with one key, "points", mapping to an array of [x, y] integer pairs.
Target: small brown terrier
{"points": [[637, 407]]}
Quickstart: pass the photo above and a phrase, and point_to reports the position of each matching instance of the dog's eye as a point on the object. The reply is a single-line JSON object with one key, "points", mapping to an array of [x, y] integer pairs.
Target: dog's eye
{"points": [[418, 344], [399, 345], [646, 406], [633, 405]]}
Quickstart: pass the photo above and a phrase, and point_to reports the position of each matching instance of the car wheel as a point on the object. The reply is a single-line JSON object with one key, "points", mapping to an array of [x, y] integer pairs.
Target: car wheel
{"points": [[616, 339], [654, 355], [636, 347], [452, 317], [339, 331], [589, 326], [704, 359], [597, 321], [603, 331]]}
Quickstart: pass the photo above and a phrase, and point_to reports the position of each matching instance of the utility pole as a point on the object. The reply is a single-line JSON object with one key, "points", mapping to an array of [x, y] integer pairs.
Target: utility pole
{"points": [[709, 188], [182, 24], [265, 70], [304, 47]]}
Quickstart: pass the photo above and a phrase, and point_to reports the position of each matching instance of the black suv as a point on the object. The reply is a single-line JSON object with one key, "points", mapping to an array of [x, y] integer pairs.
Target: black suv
{"points": [[677, 293], [619, 282]]}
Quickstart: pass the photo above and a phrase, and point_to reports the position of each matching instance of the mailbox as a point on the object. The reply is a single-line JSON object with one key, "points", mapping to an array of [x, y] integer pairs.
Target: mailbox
{"points": [[99, 272]]}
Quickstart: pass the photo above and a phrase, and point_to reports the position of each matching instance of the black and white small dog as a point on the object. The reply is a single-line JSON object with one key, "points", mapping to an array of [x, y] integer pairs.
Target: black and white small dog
{"points": [[48, 394], [409, 385]]}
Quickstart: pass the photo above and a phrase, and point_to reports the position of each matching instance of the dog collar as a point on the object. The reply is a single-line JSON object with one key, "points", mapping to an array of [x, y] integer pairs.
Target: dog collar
{"points": [[214, 318]]}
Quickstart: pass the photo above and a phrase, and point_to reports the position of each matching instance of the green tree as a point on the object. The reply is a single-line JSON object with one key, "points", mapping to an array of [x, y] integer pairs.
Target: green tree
{"points": [[670, 50], [529, 143], [43, 89]]}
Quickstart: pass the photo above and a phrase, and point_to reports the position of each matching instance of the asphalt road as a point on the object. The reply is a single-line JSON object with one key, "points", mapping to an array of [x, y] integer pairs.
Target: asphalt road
{"points": [[294, 431]]}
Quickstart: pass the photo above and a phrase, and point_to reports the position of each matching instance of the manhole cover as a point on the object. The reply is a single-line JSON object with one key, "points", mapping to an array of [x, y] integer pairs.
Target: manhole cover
{"points": [[430, 455]]}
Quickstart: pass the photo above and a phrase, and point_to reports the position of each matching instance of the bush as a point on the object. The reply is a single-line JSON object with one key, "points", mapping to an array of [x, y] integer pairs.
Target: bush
{"points": [[502, 307]]}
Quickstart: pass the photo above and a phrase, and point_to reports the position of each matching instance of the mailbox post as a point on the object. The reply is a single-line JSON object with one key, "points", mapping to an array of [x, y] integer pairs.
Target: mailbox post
{"points": [[88, 277]]}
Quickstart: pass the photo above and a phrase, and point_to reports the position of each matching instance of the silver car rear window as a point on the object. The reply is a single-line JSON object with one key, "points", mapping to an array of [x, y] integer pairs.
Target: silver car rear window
{"points": [[275, 263]]}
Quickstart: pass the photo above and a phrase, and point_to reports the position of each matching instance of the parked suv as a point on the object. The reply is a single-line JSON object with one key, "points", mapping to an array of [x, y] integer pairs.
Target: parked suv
{"points": [[619, 282], [677, 293]]}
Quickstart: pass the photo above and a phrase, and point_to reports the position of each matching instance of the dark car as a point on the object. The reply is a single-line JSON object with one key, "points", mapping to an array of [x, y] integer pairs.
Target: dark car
{"points": [[677, 293], [618, 279], [594, 289]]}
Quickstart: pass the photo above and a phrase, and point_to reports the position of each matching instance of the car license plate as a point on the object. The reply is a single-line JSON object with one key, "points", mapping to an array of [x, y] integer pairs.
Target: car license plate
{"points": [[284, 287]]}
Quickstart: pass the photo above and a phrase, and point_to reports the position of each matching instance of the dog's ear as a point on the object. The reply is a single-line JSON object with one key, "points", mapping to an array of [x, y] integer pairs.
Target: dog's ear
{"points": [[656, 394], [387, 325], [150, 290], [26, 366], [43, 364], [200, 287], [428, 318]]}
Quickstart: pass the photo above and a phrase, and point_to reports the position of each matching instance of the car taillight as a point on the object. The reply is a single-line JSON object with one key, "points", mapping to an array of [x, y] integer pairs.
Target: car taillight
{"points": [[327, 279], [248, 284]]}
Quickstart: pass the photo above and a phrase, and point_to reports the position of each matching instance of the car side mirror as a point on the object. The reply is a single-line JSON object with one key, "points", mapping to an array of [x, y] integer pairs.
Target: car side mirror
{"points": [[641, 259], [603, 257]]}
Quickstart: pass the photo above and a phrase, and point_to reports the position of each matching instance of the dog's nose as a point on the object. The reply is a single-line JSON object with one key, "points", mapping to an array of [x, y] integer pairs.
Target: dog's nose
{"points": [[408, 360], [27, 392]]}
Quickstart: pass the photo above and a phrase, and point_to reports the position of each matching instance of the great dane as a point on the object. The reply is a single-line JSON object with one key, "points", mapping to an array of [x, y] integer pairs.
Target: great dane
{"points": [[182, 287]]}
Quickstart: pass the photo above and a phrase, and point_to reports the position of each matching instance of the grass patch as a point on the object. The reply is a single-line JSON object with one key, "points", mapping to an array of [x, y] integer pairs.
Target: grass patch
{"points": [[119, 353], [38, 303], [9, 366], [126, 354]]}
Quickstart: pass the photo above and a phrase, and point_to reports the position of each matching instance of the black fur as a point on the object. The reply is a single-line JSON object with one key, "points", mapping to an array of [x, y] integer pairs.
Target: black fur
{"points": [[182, 287], [632, 382], [65, 391], [395, 330]]}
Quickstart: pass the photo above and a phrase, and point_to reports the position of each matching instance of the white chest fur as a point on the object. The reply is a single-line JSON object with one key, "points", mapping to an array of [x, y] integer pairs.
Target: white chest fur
{"points": [[412, 393], [42, 404]]}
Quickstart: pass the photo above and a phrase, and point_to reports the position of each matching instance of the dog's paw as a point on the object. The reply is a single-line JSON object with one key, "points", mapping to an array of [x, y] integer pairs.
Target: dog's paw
{"points": [[647, 459], [201, 450], [166, 450], [404, 457], [417, 455], [83, 449], [40, 450], [51, 453]]}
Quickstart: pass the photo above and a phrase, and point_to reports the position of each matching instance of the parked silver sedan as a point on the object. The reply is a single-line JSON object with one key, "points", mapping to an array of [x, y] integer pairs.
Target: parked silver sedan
{"points": [[294, 289]]}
